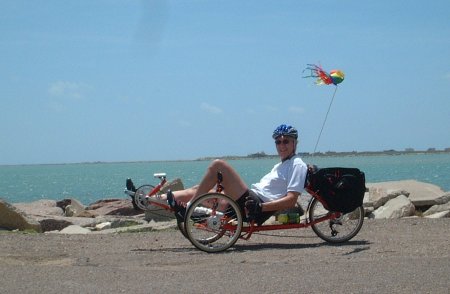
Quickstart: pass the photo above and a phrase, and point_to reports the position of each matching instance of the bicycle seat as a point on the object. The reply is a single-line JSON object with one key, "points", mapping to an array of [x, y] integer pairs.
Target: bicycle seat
{"points": [[159, 175]]}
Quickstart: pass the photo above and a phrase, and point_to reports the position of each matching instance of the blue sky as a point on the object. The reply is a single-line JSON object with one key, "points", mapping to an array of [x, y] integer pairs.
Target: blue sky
{"points": [[166, 80]]}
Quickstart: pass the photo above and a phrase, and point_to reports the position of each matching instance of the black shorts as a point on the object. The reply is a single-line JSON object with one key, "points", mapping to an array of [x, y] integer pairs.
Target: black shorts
{"points": [[260, 218]]}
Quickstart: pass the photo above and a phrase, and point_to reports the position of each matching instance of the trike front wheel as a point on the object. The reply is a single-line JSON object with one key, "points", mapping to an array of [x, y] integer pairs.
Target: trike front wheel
{"points": [[213, 222], [338, 229], [139, 199]]}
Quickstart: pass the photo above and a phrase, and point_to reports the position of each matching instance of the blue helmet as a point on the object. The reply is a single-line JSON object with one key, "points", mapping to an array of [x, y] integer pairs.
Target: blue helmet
{"points": [[285, 130]]}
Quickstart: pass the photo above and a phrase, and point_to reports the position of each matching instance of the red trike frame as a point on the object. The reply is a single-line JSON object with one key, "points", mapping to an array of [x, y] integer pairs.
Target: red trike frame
{"points": [[248, 230]]}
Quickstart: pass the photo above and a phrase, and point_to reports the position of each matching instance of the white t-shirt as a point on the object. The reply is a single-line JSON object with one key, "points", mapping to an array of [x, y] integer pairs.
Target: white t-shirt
{"points": [[285, 176]]}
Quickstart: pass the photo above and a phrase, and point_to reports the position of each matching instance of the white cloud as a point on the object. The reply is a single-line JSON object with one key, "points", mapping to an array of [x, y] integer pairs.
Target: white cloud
{"points": [[210, 108], [67, 89]]}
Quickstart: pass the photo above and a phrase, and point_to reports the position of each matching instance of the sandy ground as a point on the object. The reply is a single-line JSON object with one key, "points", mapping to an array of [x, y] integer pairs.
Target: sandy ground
{"points": [[387, 256]]}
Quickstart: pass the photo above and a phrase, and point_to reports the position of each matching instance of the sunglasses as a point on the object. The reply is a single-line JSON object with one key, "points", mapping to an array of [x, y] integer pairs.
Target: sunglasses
{"points": [[284, 142]]}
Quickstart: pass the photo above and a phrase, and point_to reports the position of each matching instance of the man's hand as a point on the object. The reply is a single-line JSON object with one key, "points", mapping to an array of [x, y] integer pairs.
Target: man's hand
{"points": [[253, 206]]}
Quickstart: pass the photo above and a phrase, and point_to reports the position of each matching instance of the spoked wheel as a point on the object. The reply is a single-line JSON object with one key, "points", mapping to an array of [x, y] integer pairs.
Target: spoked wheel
{"points": [[213, 222], [335, 230]]}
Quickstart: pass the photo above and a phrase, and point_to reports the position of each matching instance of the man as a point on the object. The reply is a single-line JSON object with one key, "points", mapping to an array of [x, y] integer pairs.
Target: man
{"points": [[277, 190]]}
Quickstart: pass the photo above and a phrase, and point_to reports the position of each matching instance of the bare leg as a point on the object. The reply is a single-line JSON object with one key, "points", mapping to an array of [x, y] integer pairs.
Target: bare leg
{"points": [[185, 195], [232, 182]]}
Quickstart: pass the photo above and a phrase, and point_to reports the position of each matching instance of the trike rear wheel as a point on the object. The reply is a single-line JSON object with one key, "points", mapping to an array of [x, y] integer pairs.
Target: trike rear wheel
{"points": [[335, 230], [213, 222]]}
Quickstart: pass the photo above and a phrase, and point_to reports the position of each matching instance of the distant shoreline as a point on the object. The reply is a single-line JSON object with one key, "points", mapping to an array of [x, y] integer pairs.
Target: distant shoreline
{"points": [[262, 155]]}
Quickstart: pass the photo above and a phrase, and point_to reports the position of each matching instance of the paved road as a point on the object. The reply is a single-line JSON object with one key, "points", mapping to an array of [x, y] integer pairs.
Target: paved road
{"points": [[387, 256]]}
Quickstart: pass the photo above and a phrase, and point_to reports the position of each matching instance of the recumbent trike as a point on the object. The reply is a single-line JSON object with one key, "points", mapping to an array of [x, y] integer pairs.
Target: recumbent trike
{"points": [[214, 222]]}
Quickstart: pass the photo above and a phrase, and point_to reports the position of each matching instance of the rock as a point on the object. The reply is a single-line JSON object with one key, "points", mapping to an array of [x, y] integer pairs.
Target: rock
{"points": [[383, 200], [74, 229], [70, 211], [63, 203], [443, 199], [398, 207], [77, 205], [442, 214], [86, 214], [378, 196], [44, 207], [103, 226], [174, 185], [437, 208], [155, 213], [144, 227], [113, 207], [125, 222], [71, 207], [420, 193], [53, 224], [12, 218]]}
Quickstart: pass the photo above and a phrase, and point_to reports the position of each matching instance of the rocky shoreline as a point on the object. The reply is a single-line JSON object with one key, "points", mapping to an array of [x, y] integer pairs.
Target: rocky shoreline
{"points": [[387, 200]]}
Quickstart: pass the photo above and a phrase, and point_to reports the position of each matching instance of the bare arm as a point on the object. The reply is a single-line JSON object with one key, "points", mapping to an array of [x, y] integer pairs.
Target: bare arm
{"points": [[286, 202]]}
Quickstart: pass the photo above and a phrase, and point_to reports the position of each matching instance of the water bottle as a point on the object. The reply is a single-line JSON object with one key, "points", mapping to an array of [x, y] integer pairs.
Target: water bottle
{"points": [[294, 218]]}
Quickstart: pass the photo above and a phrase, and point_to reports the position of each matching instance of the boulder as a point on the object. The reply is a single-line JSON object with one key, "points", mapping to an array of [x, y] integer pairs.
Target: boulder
{"points": [[420, 193], [71, 207], [41, 216], [74, 229], [398, 207], [112, 207], [155, 213], [54, 224], [103, 226], [437, 208], [12, 218], [378, 196], [70, 211], [443, 199], [442, 214], [44, 207], [174, 185]]}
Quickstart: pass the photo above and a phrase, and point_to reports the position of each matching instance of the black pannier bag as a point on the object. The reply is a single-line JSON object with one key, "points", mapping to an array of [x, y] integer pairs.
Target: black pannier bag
{"points": [[342, 188]]}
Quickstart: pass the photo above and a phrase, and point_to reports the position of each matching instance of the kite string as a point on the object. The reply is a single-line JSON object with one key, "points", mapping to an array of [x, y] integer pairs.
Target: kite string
{"points": [[323, 124]]}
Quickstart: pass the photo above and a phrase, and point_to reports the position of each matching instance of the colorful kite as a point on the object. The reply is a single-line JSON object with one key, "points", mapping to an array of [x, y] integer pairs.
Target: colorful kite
{"points": [[335, 77], [323, 78]]}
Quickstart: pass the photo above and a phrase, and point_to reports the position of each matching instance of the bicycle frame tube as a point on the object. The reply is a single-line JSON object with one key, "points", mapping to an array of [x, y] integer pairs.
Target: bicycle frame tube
{"points": [[252, 228], [156, 190], [315, 194], [247, 231]]}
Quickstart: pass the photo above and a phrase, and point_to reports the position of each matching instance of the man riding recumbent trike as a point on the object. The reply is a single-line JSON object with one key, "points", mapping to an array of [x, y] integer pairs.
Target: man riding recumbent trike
{"points": [[222, 208]]}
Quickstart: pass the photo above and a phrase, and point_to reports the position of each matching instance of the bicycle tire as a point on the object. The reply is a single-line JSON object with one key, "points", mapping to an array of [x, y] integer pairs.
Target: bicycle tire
{"points": [[180, 225], [206, 219], [337, 230]]}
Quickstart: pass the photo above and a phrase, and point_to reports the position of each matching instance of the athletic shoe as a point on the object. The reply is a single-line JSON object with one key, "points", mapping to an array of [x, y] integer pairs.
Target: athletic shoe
{"points": [[179, 208]]}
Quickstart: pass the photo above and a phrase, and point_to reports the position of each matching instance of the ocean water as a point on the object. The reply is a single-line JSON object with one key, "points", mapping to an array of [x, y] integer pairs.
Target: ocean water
{"points": [[89, 182]]}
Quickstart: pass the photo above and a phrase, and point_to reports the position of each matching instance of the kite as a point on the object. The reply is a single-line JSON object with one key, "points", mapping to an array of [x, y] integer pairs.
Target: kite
{"points": [[335, 77], [323, 78]]}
